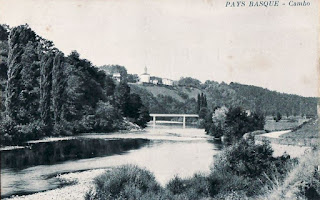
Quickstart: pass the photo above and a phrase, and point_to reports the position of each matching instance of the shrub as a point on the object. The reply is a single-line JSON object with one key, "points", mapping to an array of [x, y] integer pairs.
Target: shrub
{"points": [[248, 167], [303, 182], [13, 134], [125, 182], [176, 185], [193, 188], [232, 123]]}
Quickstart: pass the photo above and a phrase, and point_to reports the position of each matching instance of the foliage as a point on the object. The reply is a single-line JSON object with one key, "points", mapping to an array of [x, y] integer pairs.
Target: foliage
{"points": [[278, 117], [270, 102], [232, 123], [189, 82], [48, 94], [124, 182], [302, 182], [248, 167], [218, 122], [113, 69], [132, 78], [195, 187], [130, 104], [202, 105], [45, 91], [58, 85]]}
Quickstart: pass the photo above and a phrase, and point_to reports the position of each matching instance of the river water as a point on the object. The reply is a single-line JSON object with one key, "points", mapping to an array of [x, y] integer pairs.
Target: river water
{"points": [[165, 151]]}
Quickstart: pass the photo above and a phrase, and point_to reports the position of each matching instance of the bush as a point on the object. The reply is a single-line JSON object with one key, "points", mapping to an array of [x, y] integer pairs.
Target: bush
{"points": [[303, 182], [125, 182], [13, 134], [232, 123], [192, 188], [248, 167]]}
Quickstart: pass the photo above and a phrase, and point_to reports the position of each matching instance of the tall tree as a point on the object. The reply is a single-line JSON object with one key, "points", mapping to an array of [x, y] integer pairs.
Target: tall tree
{"points": [[198, 103], [45, 91], [18, 39], [30, 74], [58, 84], [122, 97]]}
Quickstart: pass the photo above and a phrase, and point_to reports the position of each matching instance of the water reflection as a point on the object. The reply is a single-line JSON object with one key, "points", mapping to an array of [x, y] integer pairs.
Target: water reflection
{"points": [[50, 153], [165, 151]]}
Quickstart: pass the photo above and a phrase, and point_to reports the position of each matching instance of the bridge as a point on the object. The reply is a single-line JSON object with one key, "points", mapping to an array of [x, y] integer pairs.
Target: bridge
{"points": [[184, 116]]}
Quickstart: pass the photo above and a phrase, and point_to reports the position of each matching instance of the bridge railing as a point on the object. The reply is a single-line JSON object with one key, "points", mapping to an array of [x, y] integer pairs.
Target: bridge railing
{"points": [[184, 116]]}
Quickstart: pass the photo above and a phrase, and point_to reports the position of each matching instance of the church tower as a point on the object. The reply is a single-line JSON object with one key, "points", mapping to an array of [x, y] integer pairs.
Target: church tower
{"points": [[145, 77]]}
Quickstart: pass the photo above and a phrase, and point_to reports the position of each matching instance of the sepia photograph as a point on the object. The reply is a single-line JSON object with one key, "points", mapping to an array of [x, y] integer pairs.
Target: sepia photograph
{"points": [[159, 99]]}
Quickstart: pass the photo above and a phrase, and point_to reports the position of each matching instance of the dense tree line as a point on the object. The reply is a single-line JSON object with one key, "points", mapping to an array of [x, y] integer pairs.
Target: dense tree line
{"points": [[46, 93], [189, 82], [258, 99]]}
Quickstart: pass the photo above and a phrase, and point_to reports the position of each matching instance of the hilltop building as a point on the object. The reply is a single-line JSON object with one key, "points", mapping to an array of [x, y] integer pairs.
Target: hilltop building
{"points": [[116, 77], [155, 80], [167, 81], [145, 77]]}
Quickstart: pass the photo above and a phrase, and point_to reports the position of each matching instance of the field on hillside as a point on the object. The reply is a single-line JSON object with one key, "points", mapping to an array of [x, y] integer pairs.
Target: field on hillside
{"points": [[283, 124], [177, 92], [308, 130]]}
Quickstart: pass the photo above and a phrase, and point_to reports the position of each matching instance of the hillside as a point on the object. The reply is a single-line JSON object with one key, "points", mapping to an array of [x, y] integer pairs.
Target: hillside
{"points": [[166, 99], [258, 98], [179, 93], [182, 99]]}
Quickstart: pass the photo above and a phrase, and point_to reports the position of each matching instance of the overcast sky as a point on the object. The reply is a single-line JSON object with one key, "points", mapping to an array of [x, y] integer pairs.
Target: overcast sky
{"points": [[273, 47]]}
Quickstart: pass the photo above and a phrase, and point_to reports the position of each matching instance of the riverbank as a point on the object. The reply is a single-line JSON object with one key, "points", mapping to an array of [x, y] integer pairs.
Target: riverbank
{"points": [[76, 186], [295, 142]]}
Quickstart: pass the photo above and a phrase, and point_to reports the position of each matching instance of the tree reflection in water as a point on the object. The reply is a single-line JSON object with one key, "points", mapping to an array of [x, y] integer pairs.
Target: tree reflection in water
{"points": [[48, 153]]}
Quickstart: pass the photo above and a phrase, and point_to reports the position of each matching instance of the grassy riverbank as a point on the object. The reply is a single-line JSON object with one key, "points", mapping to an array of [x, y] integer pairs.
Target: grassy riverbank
{"points": [[254, 175]]}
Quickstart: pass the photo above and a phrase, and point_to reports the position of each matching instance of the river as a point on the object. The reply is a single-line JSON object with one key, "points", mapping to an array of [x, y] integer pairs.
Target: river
{"points": [[55, 167]]}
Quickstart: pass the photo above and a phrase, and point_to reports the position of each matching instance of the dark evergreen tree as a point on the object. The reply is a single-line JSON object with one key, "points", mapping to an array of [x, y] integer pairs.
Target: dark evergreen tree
{"points": [[58, 83], [29, 93], [122, 98], [45, 92], [18, 39], [144, 117], [198, 103]]}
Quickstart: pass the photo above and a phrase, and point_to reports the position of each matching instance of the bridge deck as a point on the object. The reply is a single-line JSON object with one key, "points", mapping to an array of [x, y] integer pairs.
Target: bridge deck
{"points": [[174, 115], [184, 116]]}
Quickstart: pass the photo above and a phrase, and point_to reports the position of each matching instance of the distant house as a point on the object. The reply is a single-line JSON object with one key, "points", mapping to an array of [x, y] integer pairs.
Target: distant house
{"points": [[155, 80], [116, 77], [117, 72], [166, 81], [145, 77]]}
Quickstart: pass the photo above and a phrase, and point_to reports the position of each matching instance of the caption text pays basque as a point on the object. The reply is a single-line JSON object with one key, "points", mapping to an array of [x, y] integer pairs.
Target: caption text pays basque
{"points": [[265, 3]]}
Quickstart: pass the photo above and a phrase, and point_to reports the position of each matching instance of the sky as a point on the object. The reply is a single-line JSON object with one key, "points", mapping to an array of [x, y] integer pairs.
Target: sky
{"points": [[271, 47]]}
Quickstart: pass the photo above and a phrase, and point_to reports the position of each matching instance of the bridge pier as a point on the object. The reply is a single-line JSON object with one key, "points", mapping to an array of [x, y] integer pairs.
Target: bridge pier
{"points": [[184, 122], [154, 121]]}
